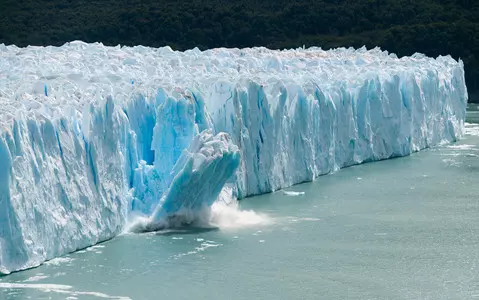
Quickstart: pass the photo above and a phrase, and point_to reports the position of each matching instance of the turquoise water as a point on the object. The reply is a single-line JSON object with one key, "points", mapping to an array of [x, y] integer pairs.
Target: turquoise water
{"points": [[399, 229]]}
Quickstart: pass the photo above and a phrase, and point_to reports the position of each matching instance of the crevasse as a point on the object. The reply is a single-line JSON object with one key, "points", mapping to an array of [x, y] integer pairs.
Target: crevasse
{"points": [[92, 135]]}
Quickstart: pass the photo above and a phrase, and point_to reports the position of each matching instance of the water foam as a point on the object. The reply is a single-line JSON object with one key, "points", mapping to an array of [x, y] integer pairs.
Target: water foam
{"points": [[38, 277], [471, 129], [58, 288], [59, 260], [462, 147], [203, 247], [220, 215]]}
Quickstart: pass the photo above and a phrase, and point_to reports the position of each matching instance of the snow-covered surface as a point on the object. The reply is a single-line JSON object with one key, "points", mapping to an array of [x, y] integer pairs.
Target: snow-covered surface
{"points": [[91, 135]]}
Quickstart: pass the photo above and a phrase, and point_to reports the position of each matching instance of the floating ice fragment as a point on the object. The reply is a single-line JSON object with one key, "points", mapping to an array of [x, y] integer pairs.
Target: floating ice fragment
{"points": [[292, 193]]}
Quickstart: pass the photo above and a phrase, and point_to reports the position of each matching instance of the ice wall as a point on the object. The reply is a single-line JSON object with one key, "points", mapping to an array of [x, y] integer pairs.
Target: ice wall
{"points": [[62, 186], [91, 135], [290, 133]]}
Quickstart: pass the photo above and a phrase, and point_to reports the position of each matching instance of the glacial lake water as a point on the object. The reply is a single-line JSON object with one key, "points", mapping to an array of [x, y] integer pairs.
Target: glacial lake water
{"points": [[405, 228]]}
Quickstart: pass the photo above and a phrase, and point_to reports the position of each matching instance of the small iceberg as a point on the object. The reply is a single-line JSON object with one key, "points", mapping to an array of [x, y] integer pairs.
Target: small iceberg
{"points": [[292, 193]]}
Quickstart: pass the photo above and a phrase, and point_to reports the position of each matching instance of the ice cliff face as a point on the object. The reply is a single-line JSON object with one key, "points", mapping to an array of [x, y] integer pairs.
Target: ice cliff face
{"points": [[91, 135]]}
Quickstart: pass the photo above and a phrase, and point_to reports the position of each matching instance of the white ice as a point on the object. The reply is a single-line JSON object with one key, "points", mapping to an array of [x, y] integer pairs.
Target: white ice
{"points": [[293, 193], [92, 135]]}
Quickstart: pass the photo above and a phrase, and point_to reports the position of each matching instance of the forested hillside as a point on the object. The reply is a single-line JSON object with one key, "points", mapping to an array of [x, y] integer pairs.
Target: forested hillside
{"points": [[432, 27]]}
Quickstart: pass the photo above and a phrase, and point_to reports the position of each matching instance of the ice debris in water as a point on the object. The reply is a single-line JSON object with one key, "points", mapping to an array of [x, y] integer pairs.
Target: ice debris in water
{"points": [[92, 135], [293, 193]]}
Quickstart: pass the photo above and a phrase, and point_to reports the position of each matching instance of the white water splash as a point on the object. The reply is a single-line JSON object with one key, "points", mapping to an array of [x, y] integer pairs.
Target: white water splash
{"points": [[231, 216], [220, 215]]}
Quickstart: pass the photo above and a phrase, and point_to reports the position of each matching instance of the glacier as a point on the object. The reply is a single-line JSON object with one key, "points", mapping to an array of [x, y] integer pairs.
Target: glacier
{"points": [[93, 136]]}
